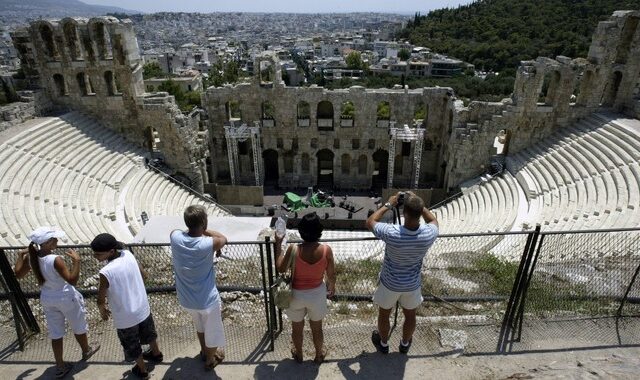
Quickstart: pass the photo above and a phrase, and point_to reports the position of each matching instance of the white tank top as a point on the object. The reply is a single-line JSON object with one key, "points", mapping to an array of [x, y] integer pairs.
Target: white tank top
{"points": [[126, 293], [54, 285]]}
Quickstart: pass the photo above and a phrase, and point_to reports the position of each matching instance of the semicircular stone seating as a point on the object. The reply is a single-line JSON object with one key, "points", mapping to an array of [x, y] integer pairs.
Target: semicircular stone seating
{"points": [[72, 172]]}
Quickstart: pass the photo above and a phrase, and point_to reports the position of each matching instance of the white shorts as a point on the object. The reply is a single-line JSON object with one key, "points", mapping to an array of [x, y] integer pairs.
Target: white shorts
{"points": [[209, 322], [387, 299], [311, 302], [65, 306]]}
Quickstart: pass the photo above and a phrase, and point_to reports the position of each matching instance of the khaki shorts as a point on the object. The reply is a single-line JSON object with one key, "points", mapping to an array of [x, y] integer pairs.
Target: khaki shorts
{"points": [[386, 299], [311, 302]]}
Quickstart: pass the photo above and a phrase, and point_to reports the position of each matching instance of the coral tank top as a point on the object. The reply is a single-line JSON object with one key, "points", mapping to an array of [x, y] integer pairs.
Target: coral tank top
{"points": [[309, 276]]}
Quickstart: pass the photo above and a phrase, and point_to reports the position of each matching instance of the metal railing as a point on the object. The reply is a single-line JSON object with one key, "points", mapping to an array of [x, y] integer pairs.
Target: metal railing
{"points": [[500, 291]]}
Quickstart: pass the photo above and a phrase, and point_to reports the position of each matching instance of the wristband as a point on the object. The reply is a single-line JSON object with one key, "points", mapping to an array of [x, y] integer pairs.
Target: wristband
{"points": [[388, 205]]}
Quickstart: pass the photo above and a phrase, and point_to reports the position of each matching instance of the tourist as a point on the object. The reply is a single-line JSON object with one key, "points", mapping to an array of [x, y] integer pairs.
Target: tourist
{"points": [[22, 266], [192, 253], [60, 299], [400, 280], [121, 282], [313, 262]]}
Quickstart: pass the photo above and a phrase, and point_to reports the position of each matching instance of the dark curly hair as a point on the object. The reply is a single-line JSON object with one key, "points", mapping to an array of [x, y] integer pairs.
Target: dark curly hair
{"points": [[310, 228]]}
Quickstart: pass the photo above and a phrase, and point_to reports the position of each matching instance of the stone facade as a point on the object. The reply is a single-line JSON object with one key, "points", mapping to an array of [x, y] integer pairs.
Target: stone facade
{"points": [[307, 136], [93, 66]]}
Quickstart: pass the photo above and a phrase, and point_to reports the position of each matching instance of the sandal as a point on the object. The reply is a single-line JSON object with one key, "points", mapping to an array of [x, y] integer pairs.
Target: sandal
{"points": [[92, 350], [296, 355], [217, 359], [319, 359], [62, 372]]}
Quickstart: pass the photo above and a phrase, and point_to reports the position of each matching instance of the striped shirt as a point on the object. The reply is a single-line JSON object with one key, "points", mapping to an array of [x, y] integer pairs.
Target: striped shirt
{"points": [[403, 256]]}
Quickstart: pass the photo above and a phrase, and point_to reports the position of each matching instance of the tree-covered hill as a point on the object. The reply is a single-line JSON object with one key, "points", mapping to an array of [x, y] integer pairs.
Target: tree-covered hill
{"points": [[498, 34]]}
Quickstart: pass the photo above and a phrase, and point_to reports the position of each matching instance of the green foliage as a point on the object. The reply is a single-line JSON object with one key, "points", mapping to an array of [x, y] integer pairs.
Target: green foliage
{"points": [[490, 272], [404, 54], [220, 74], [498, 34], [186, 101], [152, 70], [384, 111], [354, 60], [348, 110]]}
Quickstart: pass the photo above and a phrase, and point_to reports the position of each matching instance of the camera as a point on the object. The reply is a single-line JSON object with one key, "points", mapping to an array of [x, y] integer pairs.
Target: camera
{"points": [[401, 196]]}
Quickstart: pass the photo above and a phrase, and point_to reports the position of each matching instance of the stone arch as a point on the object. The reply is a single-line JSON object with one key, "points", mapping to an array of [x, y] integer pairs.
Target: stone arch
{"points": [[586, 84], [60, 85], [102, 38], [153, 141], [303, 111], [268, 114], [345, 163], [271, 171], [266, 72], [347, 110], [72, 41], [45, 31], [383, 111], [232, 110], [362, 164], [501, 142], [83, 83], [420, 114], [380, 168], [628, 32], [611, 89], [324, 115], [324, 159], [305, 163], [550, 87], [110, 82]]}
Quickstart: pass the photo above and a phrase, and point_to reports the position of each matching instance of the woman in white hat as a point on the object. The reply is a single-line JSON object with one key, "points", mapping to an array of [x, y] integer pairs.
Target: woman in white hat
{"points": [[60, 299]]}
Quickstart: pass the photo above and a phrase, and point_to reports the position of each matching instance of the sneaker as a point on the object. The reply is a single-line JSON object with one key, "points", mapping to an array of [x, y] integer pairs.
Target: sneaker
{"points": [[404, 349], [137, 372], [149, 356], [92, 350], [377, 341], [61, 372]]}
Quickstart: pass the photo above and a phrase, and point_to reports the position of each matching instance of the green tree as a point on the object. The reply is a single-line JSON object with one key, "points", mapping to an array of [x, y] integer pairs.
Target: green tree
{"points": [[404, 54], [354, 60], [152, 70]]}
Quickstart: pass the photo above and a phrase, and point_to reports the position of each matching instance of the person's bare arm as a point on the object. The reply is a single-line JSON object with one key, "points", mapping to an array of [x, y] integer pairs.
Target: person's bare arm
{"points": [[282, 261], [429, 217], [379, 213], [70, 276], [331, 274], [102, 298], [23, 265], [219, 240]]}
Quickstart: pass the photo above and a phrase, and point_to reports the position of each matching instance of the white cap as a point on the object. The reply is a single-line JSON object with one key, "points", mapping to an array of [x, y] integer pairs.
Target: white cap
{"points": [[43, 234]]}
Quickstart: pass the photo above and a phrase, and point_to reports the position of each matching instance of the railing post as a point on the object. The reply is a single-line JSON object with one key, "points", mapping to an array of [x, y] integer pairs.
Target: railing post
{"points": [[272, 306], [265, 291], [520, 315]]}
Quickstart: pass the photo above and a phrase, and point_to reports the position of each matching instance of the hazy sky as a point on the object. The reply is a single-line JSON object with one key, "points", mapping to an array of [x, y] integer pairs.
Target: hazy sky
{"points": [[304, 6]]}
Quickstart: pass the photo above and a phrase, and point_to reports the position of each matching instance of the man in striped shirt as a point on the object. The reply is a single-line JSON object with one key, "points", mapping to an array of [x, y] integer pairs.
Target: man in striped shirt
{"points": [[400, 280]]}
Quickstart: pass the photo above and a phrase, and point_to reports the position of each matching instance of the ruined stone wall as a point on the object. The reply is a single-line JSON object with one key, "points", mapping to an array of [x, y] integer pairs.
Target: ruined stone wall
{"points": [[298, 139], [94, 66]]}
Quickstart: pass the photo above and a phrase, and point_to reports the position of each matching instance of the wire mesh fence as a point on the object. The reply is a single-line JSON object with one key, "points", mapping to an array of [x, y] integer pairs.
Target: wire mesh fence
{"points": [[575, 292]]}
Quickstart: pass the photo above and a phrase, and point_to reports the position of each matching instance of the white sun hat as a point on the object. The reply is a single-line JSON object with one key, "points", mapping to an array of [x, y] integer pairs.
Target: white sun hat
{"points": [[43, 234]]}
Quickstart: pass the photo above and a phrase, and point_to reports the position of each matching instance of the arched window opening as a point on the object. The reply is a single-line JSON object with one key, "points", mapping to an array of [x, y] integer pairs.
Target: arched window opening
{"points": [[304, 114], [46, 35], [346, 164], [347, 113], [88, 48], [60, 85], [72, 41], [611, 90], [287, 160], [420, 114], [304, 163], [501, 142], [380, 162], [154, 143], [268, 114], [232, 110], [82, 84], [398, 164], [103, 41], [267, 73], [383, 114], [550, 88], [110, 82], [362, 165], [324, 114], [628, 31]]}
